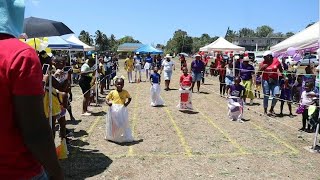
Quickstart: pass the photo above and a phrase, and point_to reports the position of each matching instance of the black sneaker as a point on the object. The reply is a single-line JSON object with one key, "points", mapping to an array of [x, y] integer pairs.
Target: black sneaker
{"points": [[272, 113]]}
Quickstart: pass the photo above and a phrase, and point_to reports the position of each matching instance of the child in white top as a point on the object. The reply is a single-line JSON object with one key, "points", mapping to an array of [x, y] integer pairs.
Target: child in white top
{"points": [[306, 100]]}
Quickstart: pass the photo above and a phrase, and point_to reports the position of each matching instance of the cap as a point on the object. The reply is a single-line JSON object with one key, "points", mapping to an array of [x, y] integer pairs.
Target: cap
{"points": [[197, 55], [267, 53], [246, 58]]}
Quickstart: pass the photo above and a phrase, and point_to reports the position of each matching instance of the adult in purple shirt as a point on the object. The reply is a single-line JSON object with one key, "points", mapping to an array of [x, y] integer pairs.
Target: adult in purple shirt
{"points": [[246, 74], [197, 66]]}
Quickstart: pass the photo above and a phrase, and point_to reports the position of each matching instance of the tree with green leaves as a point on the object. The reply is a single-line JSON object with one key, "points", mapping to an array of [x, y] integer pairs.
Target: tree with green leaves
{"points": [[246, 32], [127, 39], [201, 41], [160, 46], [180, 42], [289, 34], [231, 35], [113, 43], [278, 34], [310, 24], [99, 40], [85, 37], [264, 31]]}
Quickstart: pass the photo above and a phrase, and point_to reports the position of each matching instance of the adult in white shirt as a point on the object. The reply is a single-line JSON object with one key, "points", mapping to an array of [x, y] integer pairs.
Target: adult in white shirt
{"points": [[229, 74], [84, 83], [137, 67], [167, 67]]}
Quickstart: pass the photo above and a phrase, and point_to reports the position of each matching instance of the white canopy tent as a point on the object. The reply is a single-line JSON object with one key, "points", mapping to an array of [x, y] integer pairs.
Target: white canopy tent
{"points": [[204, 48], [307, 38], [222, 45], [75, 40]]}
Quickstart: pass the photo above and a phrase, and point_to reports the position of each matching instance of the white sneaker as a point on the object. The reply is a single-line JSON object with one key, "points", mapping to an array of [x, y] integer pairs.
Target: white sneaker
{"points": [[86, 114], [251, 102], [240, 121]]}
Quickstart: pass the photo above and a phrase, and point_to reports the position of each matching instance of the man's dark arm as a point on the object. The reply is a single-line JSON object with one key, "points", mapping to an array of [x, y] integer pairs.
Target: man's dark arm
{"points": [[36, 132]]}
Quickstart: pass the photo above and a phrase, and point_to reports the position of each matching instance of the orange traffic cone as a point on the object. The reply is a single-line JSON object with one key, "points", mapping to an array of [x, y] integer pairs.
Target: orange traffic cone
{"points": [[62, 150]]}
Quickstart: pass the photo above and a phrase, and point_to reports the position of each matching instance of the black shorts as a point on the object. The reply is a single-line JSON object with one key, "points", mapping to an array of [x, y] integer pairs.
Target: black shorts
{"points": [[84, 84]]}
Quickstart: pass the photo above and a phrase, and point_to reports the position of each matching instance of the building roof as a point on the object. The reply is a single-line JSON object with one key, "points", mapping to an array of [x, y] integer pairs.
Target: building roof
{"points": [[129, 47]]}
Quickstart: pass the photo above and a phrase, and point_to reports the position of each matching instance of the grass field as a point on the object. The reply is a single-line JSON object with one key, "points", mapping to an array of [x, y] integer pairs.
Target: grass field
{"points": [[201, 145]]}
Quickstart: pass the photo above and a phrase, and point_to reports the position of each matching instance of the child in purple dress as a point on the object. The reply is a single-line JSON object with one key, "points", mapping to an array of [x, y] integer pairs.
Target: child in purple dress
{"points": [[257, 86], [286, 94], [237, 89], [235, 101]]}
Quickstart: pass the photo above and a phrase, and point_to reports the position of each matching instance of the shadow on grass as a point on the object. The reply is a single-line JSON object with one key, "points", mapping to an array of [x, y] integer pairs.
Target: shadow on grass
{"points": [[101, 113], [127, 143], [206, 84], [188, 111], [286, 115], [79, 134], [79, 143], [254, 104], [245, 120], [173, 89], [159, 106], [76, 122], [84, 163], [204, 92]]}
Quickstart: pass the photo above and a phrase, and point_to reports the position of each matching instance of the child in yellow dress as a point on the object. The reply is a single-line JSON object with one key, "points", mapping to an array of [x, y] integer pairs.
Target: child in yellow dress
{"points": [[129, 66], [117, 123]]}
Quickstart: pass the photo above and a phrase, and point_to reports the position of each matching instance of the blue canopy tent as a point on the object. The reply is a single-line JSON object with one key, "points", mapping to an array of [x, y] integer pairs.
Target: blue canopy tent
{"points": [[57, 43], [148, 49]]}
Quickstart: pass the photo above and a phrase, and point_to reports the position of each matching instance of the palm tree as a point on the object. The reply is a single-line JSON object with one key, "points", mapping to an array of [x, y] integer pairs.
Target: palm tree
{"points": [[99, 39], [85, 37], [106, 43], [113, 43]]}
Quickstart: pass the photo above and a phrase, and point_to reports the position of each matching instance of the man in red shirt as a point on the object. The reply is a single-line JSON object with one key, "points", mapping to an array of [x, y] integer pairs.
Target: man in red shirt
{"points": [[27, 146]]}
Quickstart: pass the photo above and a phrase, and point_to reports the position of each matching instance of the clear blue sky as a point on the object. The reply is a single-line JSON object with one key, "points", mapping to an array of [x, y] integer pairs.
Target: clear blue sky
{"points": [[152, 21]]}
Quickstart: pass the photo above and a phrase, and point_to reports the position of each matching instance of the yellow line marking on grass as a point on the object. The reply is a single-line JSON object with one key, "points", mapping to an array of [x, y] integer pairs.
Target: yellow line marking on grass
{"points": [[263, 130], [89, 131], [233, 142], [179, 155], [180, 134], [134, 120], [294, 150], [91, 128]]}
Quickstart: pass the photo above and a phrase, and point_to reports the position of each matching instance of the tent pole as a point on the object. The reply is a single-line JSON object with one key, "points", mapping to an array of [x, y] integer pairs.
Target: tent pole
{"points": [[314, 146], [71, 66], [96, 88], [234, 67], [50, 98], [35, 45]]}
